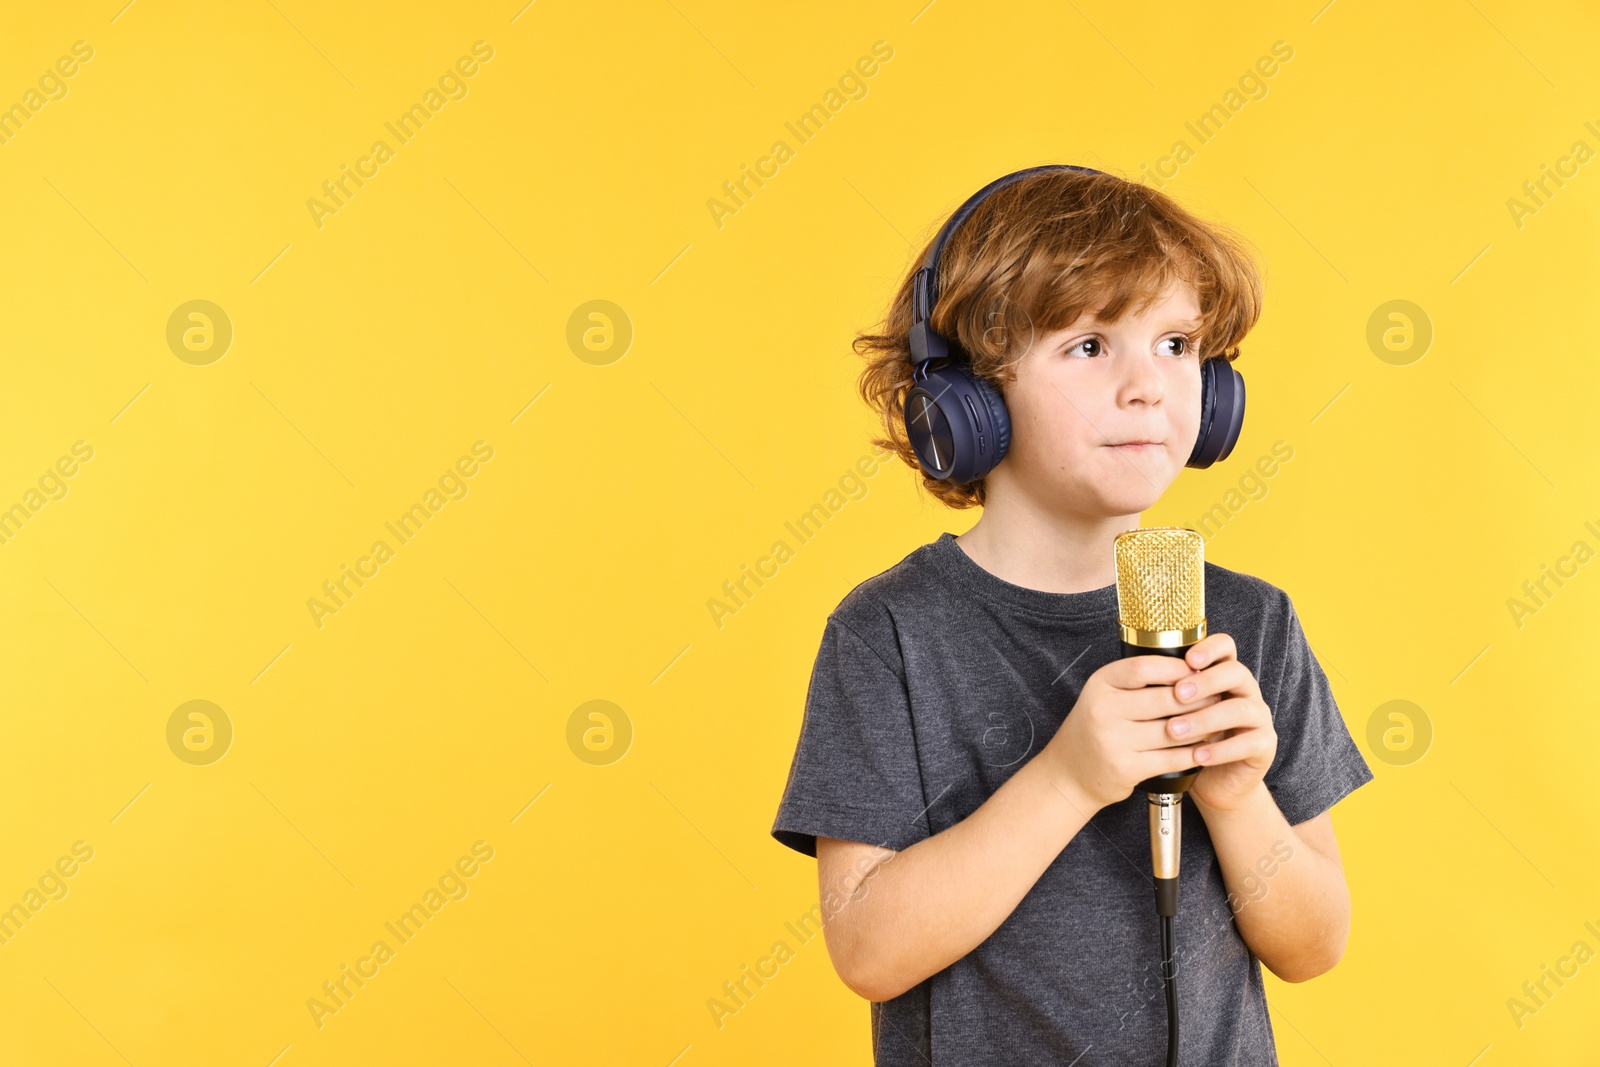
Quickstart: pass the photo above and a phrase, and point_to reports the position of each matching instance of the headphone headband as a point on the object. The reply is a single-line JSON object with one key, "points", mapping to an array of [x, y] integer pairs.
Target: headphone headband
{"points": [[925, 343]]}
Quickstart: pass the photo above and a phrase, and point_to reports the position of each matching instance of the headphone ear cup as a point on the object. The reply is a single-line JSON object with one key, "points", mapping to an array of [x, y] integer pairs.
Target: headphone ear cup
{"points": [[1221, 412], [957, 424]]}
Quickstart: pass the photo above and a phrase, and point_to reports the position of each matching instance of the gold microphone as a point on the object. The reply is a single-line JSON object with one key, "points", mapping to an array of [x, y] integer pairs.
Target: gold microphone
{"points": [[1161, 596]]}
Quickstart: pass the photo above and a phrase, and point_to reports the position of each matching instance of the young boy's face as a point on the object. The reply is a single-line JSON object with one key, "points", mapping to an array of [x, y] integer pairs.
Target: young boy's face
{"points": [[1083, 392]]}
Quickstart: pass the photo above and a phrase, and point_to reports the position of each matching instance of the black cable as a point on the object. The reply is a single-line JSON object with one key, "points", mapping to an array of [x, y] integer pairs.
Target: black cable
{"points": [[1170, 974]]}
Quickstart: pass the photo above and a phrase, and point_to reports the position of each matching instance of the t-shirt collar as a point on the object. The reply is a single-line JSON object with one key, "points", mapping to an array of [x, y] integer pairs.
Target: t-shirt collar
{"points": [[952, 560]]}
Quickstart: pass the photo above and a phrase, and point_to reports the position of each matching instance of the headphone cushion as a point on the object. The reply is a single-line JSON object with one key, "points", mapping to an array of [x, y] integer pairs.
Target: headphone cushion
{"points": [[999, 416]]}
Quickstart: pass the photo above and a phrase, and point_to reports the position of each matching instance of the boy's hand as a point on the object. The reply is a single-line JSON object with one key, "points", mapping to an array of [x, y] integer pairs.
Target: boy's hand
{"points": [[1229, 716], [1115, 736]]}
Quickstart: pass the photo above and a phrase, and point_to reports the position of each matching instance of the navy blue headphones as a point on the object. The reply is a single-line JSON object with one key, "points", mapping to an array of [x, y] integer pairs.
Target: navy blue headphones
{"points": [[957, 421]]}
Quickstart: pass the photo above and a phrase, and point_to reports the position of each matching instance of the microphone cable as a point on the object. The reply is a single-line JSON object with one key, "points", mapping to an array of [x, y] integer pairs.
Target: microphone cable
{"points": [[1170, 975]]}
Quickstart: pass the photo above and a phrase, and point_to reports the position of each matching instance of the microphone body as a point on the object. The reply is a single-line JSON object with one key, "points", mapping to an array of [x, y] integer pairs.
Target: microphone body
{"points": [[1161, 612]]}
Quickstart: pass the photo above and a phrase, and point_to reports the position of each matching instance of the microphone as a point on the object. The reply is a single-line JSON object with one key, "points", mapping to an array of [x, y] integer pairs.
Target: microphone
{"points": [[1161, 603], [1161, 612]]}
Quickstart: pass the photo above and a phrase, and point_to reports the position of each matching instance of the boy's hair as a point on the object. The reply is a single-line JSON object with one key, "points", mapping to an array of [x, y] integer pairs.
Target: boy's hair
{"points": [[1033, 257]]}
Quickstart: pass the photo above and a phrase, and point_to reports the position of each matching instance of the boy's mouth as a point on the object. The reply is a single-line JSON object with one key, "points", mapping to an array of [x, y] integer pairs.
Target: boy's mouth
{"points": [[1134, 446]]}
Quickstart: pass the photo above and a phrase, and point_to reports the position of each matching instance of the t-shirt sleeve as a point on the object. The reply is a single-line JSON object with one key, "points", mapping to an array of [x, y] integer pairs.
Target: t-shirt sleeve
{"points": [[1318, 762], [854, 775]]}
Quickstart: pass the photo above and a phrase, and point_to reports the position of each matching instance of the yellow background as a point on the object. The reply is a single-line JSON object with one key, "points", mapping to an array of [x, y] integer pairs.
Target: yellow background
{"points": [[429, 313]]}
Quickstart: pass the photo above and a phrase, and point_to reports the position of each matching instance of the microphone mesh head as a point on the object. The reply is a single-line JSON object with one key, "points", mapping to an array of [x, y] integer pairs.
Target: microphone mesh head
{"points": [[1161, 578]]}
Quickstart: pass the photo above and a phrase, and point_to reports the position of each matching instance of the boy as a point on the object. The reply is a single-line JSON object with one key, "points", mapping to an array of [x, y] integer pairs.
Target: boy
{"points": [[982, 857]]}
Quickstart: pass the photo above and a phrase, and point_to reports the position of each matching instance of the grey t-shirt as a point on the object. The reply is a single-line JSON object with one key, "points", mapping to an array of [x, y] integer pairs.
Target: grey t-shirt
{"points": [[934, 682]]}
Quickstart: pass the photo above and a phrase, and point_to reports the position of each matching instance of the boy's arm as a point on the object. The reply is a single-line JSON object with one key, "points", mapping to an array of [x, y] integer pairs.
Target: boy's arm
{"points": [[1297, 927], [908, 915], [892, 919]]}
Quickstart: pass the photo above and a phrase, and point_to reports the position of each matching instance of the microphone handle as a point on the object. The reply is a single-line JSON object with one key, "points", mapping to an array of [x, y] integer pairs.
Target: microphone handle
{"points": [[1164, 792]]}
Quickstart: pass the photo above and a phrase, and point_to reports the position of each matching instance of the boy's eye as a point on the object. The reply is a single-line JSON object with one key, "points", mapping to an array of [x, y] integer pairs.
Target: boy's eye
{"points": [[1092, 346]]}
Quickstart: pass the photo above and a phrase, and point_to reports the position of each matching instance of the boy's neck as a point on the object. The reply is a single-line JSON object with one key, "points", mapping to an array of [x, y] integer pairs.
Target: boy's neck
{"points": [[1050, 552]]}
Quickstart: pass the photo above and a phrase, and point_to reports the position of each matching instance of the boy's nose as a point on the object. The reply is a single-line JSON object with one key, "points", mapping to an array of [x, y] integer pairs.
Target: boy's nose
{"points": [[1141, 381]]}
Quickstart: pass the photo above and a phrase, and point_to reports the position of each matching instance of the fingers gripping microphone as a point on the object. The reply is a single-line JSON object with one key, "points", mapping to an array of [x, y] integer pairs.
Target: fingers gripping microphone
{"points": [[1161, 612]]}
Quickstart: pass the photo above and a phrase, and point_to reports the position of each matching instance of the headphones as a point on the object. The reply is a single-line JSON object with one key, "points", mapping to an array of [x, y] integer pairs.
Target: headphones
{"points": [[957, 421]]}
